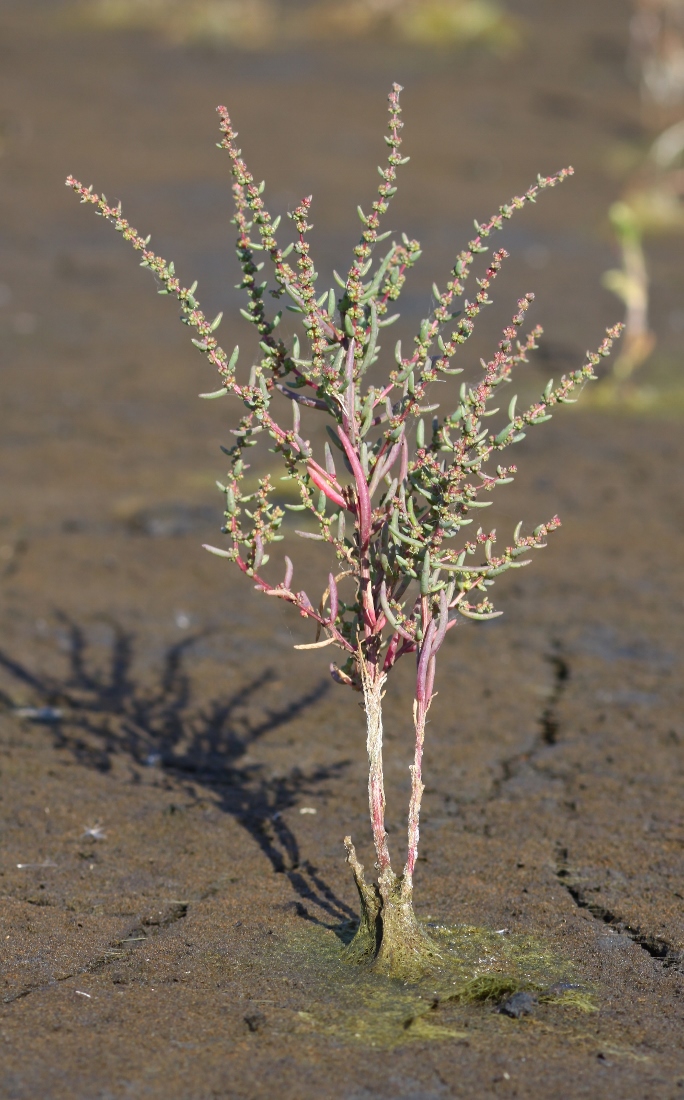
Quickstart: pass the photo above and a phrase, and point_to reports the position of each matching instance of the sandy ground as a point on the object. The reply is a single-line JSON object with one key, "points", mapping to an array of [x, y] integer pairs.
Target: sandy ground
{"points": [[172, 907]]}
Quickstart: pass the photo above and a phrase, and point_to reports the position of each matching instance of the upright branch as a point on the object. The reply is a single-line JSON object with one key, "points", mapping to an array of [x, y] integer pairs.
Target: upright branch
{"points": [[399, 481]]}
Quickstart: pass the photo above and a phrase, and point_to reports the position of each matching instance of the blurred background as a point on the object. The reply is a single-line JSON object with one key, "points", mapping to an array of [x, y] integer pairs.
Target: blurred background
{"points": [[101, 420]]}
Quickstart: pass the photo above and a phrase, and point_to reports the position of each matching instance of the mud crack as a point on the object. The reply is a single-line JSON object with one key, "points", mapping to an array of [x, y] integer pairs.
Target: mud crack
{"points": [[657, 948], [548, 721], [135, 935]]}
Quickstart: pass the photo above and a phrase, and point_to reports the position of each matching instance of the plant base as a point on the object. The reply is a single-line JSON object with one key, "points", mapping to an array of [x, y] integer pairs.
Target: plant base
{"points": [[389, 937]]}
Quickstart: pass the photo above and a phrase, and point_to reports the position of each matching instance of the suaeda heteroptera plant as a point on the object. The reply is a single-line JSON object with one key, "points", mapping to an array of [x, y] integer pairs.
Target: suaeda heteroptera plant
{"points": [[393, 512]]}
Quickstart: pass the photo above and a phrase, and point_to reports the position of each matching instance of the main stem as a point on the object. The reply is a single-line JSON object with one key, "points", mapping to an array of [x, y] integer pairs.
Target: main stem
{"points": [[389, 935], [417, 788], [373, 683]]}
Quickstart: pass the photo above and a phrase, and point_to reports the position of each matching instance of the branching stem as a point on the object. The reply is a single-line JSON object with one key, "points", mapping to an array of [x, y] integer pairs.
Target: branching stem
{"points": [[407, 483]]}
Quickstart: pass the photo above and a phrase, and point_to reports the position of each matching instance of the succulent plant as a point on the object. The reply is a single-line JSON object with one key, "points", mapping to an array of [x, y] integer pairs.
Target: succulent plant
{"points": [[399, 489]]}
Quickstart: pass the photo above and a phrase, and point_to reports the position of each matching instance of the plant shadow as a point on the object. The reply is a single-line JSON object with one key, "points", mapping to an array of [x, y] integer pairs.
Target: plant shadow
{"points": [[98, 712]]}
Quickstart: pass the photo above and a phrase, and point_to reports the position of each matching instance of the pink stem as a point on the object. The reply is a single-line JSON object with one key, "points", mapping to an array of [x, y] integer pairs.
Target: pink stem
{"points": [[300, 600], [390, 656], [383, 467], [327, 488], [425, 678], [361, 489], [430, 678], [330, 476], [425, 654], [383, 394], [443, 624]]}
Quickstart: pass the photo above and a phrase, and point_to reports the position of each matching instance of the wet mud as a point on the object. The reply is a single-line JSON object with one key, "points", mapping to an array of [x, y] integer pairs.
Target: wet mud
{"points": [[176, 779]]}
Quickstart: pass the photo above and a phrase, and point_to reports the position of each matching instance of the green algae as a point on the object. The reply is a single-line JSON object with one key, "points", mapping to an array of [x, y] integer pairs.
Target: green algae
{"points": [[477, 970], [571, 998]]}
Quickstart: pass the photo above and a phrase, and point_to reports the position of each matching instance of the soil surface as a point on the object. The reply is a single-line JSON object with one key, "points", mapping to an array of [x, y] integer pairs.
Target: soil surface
{"points": [[176, 778]]}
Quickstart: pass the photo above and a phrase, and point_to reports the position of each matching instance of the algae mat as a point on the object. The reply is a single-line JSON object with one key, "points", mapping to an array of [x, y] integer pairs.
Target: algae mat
{"points": [[479, 969]]}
